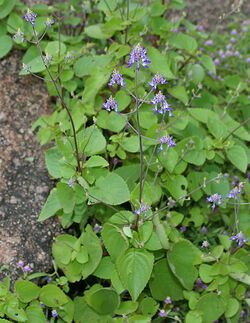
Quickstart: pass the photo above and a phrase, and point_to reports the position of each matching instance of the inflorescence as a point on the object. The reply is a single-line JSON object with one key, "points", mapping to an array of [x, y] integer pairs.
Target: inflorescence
{"points": [[30, 17], [138, 56], [161, 105]]}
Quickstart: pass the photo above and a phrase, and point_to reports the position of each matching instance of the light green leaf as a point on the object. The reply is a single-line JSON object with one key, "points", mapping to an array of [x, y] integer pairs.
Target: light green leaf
{"points": [[117, 192], [179, 92], [182, 41], [96, 161], [26, 291], [134, 269], [35, 313], [66, 197], [51, 206], [211, 306], [93, 141], [104, 300], [159, 63], [52, 296], [238, 157], [6, 7], [111, 233], [5, 45], [208, 63]]}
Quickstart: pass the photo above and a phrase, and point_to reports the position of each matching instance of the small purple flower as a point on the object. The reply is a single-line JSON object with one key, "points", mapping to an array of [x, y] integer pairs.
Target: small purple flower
{"points": [[110, 104], [200, 28], [162, 313], [183, 228], [228, 53], [157, 79], [97, 228], [233, 194], [216, 62], [30, 17], [20, 264], [229, 46], [204, 230], [222, 54], [244, 29], [48, 279], [117, 78], [167, 140], [49, 22], [27, 269], [208, 42], [215, 198], [168, 300], [248, 60], [138, 55], [234, 32], [236, 53], [71, 183], [160, 99], [54, 313], [232, 40], [199, 284], [240, 239], [142, 209]]}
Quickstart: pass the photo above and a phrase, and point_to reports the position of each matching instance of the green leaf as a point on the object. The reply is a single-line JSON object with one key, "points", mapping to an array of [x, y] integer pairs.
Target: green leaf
{"points": [[53, 48], [182, 41], [238, 157], [177, 186], [241, 277], [211, 307], [196, 73], [35, 313], [87, 64], [93, 141], [232, 307], [96, 161], [51, 206], [93, 245], [134, 269], [5, 45], [217, 128], [111, 233], [66, 197], [105, 268], [26, 291], [159, 63], [163, 282], [52, 296], [52, 157], [208, 63], [6, 7], [111, 121], [127, 307], [182, 260], [97, 32], [104, 301], [193, 317], [117, 192], [151, 193], [179, 92]]}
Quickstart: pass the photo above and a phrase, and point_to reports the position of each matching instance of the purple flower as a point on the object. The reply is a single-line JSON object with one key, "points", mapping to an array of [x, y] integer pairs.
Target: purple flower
{"points": [[117, 78], [233, 194], [49, 22], [138, 55], [110, 104], [200, 28], [30, 17], [248, 60], [97, 228], [27, 269], [162, 313], [216, 62], [168, 300], [239, 238], [232, 40], [48, 279], [234, 32], [160, 99], [199, 284], [142, 209], [71, 183], [20, 264], [244, 29], [208, 42], [157, 79], [167, 140], [229, 46], [54, 313], [203, 230], [183, 228], [236, 53], [215, 198]]}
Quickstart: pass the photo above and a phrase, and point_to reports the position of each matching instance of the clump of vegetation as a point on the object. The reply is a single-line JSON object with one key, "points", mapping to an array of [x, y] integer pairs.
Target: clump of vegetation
{"points": [[149, 153]]}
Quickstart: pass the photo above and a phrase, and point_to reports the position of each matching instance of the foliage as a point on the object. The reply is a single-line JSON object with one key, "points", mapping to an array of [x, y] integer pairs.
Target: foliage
{"points": [[162, 215]]}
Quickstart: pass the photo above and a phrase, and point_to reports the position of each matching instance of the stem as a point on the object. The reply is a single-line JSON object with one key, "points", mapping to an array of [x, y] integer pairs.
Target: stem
{"points": [[126, 30], [235, 129], [62, 102], [139, 135]]}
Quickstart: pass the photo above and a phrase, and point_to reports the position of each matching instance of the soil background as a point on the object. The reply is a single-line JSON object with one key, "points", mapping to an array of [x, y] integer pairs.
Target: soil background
{"points": [[25, 184]]}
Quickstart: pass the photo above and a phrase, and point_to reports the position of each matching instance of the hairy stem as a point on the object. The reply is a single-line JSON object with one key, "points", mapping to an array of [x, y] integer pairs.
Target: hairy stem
{"points": [[62, 101]]}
